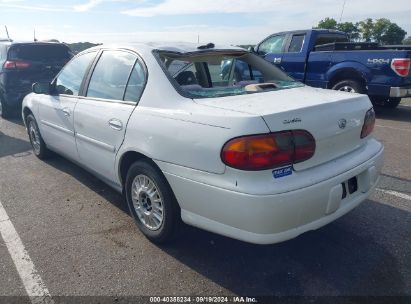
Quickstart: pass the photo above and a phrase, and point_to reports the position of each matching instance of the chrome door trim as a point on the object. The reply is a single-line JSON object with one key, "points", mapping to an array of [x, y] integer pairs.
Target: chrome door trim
{"points": [[59, 128], [97, 143]]}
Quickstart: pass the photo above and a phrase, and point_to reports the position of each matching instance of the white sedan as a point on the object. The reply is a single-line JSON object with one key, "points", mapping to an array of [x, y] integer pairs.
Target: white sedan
{"points": [[187, 137]]}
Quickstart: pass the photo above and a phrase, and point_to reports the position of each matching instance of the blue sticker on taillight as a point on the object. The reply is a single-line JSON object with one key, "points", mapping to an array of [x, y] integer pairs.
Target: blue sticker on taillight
{"points": [[277, 173]]}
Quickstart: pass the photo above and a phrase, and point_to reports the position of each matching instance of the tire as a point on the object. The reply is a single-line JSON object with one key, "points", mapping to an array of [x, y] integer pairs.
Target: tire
{"points": [[390, 103], [151, 202], [36, 141], [5, 111], [351, 86]]}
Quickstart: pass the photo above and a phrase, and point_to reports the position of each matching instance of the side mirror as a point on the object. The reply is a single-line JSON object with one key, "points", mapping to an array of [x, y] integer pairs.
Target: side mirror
{"points": [[251, 49], [41, 88]]}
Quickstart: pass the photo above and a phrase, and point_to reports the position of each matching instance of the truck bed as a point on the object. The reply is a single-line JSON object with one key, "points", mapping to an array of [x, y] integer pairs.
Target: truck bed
{"points": [[358, 46]]}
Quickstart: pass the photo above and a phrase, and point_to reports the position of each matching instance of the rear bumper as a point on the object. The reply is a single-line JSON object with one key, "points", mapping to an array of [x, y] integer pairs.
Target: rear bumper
{"points": [[267, 219], [14, 99], [400, 92]]}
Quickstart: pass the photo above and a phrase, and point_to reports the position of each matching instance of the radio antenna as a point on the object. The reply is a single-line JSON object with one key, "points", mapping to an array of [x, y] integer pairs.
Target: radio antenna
{"points": [[7, 32], [342, 11]]}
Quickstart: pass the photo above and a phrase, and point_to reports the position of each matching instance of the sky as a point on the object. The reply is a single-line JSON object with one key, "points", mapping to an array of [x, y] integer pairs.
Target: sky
{"points": [[219, 21]]}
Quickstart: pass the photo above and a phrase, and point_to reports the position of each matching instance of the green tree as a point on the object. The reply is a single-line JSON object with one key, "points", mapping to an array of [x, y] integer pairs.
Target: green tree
{"points": [[367, 29], [379, 28], [393, 34], [327, 23], [407, 40], [351, 29]]}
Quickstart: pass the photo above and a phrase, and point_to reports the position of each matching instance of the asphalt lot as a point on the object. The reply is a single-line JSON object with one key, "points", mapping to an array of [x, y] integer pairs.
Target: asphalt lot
{"points": [[83, 242]]}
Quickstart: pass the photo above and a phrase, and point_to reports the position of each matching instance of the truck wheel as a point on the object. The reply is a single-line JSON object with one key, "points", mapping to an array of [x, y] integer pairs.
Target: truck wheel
{"points": [[37, 142], [151, 202], [385, 102], [351, 86], [5, 111]]}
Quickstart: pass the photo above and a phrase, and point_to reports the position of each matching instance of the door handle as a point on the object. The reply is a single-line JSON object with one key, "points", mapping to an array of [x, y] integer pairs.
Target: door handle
{"points": [[277, 60], [115, 124], [66, 112]]}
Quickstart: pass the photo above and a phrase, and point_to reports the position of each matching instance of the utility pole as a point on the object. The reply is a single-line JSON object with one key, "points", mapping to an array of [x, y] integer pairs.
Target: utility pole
{"points": [[342, 11]]}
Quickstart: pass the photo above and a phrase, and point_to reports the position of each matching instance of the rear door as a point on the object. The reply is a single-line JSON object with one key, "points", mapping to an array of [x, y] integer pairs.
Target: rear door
{"points": [[294, 59], [101, 117], [56, 111], [272, 49]]}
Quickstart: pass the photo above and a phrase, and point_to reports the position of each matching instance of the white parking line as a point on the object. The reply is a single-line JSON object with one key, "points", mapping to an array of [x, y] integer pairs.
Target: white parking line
{"points": [[34, 285], [395, 193], [400, 129]]}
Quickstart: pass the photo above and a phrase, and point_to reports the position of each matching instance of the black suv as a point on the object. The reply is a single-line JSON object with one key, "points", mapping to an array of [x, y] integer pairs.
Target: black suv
{"points": [[24, 63]]}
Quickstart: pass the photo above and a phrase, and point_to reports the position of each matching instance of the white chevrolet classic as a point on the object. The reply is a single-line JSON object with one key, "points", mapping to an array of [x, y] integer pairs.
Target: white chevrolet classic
{"points": [[188, 137]]}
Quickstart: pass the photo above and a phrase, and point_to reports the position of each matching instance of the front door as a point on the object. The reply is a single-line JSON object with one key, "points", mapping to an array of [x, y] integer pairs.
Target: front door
{"points": [[56, 111], [272, 49]]}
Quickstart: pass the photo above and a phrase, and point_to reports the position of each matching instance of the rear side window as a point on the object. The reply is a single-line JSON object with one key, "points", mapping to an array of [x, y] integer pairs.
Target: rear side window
{"points": [[69, 81], [40, 52], [111, 74], [136, 83], [296, 44]]}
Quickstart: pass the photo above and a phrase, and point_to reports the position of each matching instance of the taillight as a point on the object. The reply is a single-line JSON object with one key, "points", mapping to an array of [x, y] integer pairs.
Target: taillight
{"points": [[268, 151], [19, 65], [401, 66], [369, 122]]}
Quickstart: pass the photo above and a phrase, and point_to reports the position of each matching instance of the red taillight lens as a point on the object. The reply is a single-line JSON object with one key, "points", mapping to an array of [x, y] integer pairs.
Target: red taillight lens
{"points": [[267, 151], [13, 65], [401, 66], [369, 122]]}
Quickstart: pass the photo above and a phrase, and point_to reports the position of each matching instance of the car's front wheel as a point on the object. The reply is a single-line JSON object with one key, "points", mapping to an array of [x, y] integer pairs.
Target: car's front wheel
{"points": [[151, 202], [36, 141]]}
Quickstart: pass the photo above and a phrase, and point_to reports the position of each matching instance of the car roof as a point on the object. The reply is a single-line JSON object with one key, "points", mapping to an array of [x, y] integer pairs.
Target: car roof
{"points": [[12, 42], [319, 30], [174, 47]]}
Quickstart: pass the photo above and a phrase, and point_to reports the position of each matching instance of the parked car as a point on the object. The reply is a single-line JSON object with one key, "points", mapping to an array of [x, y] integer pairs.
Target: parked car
{"points": [[326, 59], [24, 63], [259, 162]]}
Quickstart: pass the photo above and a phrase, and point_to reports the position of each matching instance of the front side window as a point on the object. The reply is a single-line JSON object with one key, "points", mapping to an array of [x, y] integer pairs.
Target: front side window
{"points": [[69, 81], [217, 74], [273, 44], [111, 75]]}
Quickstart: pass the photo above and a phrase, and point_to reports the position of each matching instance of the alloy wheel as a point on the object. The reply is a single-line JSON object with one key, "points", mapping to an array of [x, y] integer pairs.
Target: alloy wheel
{"points": [[147, 202]]}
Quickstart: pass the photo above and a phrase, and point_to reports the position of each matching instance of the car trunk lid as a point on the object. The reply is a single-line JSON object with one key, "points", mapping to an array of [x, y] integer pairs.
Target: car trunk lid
{"points": [[335, 119]]}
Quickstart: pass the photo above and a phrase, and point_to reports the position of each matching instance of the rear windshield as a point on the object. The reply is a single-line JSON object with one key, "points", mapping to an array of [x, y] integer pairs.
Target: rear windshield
{"points": [[216, 74], [38, 52]]}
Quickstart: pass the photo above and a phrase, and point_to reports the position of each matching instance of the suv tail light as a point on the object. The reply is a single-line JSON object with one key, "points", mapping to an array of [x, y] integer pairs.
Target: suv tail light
{"points": [[369, 122], [268, 151], [401, 66], [16, 65]]}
